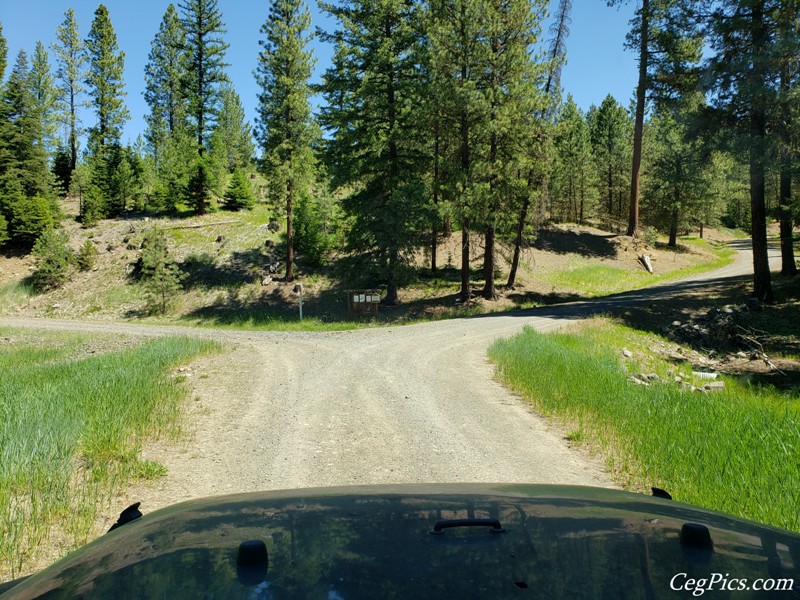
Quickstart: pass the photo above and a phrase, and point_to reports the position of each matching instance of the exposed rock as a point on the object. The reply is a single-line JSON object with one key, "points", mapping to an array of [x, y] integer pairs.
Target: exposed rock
{"points": [[627, 353]]}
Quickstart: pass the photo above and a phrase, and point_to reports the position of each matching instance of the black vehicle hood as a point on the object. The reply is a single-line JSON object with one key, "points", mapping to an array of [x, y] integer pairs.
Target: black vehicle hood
{"points": [[376, 542]]}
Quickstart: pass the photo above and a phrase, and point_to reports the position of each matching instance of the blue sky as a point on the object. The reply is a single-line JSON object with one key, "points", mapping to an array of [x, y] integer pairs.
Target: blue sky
{"points": [[597, 63]]}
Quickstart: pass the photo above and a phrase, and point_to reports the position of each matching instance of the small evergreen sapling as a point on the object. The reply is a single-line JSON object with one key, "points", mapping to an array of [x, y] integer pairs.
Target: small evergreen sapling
{"points": [[239, 194], [53, 260], [86, 256], [161, 276]]}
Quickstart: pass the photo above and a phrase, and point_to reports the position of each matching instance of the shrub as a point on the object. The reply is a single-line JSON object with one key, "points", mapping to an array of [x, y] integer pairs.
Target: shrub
{"points": [[87, 256], [53, 260], [650, 235]]}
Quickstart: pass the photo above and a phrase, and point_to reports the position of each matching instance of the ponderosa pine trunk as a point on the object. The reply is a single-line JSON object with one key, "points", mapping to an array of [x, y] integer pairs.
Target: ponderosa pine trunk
{"points": [[762, 281], [523, 215], [673, 228], [788, 265], [289, 231], [638, 127]]}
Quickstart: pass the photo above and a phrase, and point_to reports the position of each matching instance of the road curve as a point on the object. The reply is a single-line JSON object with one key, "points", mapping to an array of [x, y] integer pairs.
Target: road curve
{"points": [[392, 405]]}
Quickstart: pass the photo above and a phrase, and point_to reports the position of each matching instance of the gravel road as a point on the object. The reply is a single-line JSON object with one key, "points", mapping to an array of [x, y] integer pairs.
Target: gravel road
{"points": [[394, 405]]}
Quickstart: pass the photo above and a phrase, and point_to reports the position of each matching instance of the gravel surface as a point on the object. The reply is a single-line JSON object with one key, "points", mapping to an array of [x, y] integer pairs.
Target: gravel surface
{"points": [[394, 405]]}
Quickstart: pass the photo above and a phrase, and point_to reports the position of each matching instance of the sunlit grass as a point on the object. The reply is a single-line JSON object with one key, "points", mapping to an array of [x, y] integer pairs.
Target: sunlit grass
{"points": [[15, 293], [602, 280], [733, 450], [72, 426]]}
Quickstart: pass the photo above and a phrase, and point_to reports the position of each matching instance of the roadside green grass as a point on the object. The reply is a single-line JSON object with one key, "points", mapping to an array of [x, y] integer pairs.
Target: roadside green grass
{"points": [[255, 322], [15, 293], [734, 450], [603, 280], [72, 424]]}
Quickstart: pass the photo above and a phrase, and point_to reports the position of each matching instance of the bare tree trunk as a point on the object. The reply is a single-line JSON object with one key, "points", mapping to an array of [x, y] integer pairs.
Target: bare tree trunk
{"points": [[489, 292], [435, 227], [762, 281], [673, 228], [289, 231], [638, 127], [523, 215], [788, 265], [465, 293]]}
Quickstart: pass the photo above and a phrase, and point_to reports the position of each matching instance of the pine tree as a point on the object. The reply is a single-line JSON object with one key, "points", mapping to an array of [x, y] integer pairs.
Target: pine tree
{"points": [[574, 188], [166, 66], [232, 139], [106, 87], [205, 72], [609, 126], [285, 127], [458, 36], [789, 40], [167, 132], [105, 82], [744, 73], [3, 54], [25, 182], [53, 260], [205, 66], [676, 182], [86, 257], [70, 61], [161, 276], [540, 131], [169, 139], [512, 97], [669, 49], [377, 127], [45, 96], [239, 194]]}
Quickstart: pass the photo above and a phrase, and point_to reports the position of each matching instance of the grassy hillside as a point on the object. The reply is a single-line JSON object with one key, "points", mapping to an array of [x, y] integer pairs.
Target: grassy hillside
{"points": [[232, 266]]}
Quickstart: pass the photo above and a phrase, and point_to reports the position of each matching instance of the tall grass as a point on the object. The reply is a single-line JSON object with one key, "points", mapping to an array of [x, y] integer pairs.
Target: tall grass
{"points": [[735, 450], [15, 293], [71, 431]]}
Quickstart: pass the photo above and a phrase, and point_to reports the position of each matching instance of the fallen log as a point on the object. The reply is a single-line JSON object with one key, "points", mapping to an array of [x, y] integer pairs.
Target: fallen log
{"points": [[645, 260]]}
